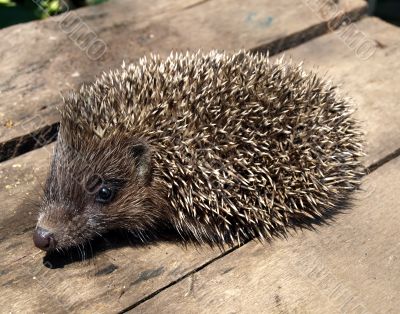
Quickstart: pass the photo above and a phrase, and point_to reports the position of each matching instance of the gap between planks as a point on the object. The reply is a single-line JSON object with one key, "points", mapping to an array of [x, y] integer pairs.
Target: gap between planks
{"points": [[195, 270], [48, 133], [373, 167], [370, 169], [199, 267]]}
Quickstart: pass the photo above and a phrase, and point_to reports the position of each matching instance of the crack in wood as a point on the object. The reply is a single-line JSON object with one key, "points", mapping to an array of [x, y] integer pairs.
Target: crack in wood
{"points": [[106, 270], [47, 134], [190, 273], [296, 39], [383, 160], [28, 142]]}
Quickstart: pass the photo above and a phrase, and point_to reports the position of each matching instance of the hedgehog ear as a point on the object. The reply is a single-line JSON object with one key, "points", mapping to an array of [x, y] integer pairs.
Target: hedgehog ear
{"points": [[141, 153]]}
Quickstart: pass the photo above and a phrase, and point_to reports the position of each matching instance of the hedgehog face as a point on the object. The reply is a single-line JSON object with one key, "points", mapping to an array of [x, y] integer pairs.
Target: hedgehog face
{"points": [[220, 148], [91, 189]]}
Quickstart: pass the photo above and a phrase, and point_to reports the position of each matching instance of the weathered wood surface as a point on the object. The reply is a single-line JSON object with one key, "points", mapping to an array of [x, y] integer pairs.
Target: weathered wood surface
{"points": [[351, 266], [122, 277], [365, 59], [39, 60], [112, 281]]}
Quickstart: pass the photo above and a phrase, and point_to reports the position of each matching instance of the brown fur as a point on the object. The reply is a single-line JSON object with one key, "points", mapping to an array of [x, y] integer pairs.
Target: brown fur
{"points": [[221, 148]]}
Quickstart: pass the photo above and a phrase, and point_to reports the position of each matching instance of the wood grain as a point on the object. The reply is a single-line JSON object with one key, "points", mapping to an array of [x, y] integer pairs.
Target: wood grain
{"points": [[308, 272], [113, 280], [40, 60], [350, 266], [370, 79], [347, 266]]}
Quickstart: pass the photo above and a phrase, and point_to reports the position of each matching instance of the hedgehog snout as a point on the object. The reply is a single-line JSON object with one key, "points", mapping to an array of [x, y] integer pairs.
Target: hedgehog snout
{"points": [[44, 239]]}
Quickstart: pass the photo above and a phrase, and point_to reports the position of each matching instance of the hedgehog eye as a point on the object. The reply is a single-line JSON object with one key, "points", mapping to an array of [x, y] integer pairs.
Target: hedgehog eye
{"points": [[105, 195]]}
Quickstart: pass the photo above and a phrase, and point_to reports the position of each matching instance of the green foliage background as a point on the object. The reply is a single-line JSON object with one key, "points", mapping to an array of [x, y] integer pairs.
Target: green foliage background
{"points": [[19, 11]]}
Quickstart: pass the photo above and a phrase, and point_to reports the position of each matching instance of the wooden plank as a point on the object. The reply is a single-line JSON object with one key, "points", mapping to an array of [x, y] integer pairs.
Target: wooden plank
{"points": [[39, 59], [364, 58], [112, 281], [350, 266], [101, 295]]}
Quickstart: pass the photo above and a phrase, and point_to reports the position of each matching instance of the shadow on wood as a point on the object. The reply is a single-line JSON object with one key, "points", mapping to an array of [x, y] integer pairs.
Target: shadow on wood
{"points": [[110, 240]]}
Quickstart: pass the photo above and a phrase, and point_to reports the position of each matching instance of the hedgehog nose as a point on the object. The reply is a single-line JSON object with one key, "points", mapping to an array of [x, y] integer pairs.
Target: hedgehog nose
{"points": [[43, 239]]}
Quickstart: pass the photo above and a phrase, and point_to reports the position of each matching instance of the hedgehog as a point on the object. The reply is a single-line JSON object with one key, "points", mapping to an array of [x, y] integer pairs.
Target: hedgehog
{"points": [[219, 147]]}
